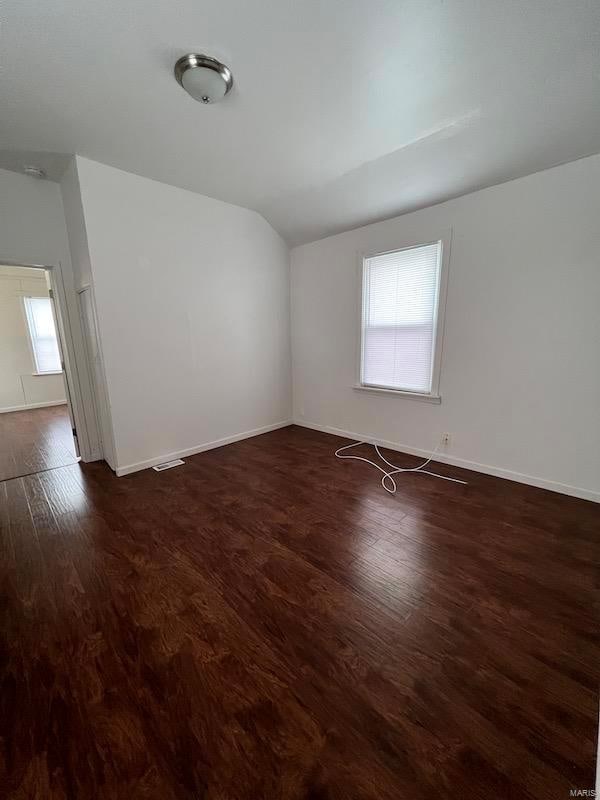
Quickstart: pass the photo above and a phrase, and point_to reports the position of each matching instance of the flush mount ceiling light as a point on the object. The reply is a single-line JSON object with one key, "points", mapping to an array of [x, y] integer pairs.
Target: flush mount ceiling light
{"points": [[34, 172], [203, 77]]}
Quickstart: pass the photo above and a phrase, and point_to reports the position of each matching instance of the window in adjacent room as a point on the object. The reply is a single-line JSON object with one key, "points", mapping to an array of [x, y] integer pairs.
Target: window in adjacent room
{"points": [[42, 334], [401, 295]]}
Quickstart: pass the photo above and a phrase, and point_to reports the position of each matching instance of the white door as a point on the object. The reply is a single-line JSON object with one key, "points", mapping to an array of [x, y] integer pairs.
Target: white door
{"points": [[89, 323]]}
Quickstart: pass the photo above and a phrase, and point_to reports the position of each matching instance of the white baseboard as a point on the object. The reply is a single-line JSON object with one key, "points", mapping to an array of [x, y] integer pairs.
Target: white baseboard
{"points": [[27, 406], [486, 469], [199, 448]]}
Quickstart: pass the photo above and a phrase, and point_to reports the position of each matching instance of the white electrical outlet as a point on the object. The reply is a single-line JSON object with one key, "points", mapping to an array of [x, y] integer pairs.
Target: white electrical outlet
{"points": [[445, 439]]}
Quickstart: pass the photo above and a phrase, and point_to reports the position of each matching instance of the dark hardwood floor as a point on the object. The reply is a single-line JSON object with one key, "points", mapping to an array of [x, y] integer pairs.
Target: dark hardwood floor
{"points": [[35, 440], [266, 622]]}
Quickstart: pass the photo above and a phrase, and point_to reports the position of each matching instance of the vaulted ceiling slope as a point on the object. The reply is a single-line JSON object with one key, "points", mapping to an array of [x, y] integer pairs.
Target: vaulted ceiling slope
{"points": [[343, 111]]}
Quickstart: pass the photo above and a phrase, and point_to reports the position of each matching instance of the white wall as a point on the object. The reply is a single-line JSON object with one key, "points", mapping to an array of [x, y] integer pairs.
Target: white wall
{"points": [[520, 380], [75, 223], [19, 386], [33, 231], [32, 224], [192, 299]]}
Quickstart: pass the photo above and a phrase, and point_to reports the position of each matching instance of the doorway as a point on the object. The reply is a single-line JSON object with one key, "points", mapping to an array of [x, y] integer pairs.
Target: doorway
{"points": [[37, 431]]}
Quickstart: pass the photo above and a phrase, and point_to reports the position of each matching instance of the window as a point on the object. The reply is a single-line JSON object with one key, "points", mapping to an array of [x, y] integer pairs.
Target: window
{"points": [[399, 319], [42, 334]]}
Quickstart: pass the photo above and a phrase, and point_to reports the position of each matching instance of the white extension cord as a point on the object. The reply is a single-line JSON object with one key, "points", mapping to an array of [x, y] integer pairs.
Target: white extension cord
{"points": [[387, 474]]}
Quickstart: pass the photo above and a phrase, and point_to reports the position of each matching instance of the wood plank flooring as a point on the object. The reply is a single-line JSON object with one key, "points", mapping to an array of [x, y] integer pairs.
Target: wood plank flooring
{"points": [[35, 440], [266, 623]]}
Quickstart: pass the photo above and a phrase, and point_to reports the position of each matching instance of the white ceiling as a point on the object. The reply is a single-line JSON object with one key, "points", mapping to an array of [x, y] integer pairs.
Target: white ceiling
{"points": [[343, 111]]}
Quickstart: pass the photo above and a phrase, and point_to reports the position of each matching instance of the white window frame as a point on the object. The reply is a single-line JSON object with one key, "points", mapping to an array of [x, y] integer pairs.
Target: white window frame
{"points": [[37, 370], [440, 312]]}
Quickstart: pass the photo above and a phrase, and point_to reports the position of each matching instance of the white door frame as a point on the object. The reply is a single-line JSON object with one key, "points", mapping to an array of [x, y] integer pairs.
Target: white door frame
{"points": [[95, 360], [88, 438]]}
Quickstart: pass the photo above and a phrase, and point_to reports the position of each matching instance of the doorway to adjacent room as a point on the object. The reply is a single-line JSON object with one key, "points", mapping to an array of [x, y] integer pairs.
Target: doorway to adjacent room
{"points": [[37, 431]]}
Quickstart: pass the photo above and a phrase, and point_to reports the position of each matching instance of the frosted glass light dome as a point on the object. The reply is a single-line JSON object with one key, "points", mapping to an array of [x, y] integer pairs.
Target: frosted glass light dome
{"points": [[204, 78]]}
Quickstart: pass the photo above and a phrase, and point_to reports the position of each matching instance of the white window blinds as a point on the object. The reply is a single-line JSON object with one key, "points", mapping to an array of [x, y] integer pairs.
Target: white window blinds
{"points": [[400, 298], [42, 334]]}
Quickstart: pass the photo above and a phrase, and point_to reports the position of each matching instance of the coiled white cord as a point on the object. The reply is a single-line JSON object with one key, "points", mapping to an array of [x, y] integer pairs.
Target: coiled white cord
{"points": [[387, 474]]}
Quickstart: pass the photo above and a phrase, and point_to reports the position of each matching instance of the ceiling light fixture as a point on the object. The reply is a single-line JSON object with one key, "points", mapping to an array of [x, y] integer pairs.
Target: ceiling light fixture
{"points": [[34, 172], [203, 77]]}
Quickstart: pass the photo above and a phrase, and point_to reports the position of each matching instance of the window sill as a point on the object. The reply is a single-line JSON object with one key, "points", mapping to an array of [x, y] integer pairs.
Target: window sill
{"points": [[53, 372], [426, 398]]}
